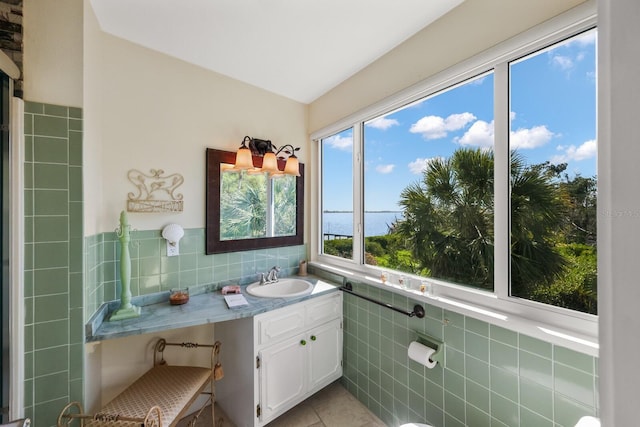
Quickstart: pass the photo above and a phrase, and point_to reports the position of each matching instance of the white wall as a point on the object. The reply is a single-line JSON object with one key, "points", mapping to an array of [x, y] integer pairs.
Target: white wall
{"points": [[150, 111], [619, 210], [92, 179], [145, 110], [53, 51], [467, 30], [125, 359]]}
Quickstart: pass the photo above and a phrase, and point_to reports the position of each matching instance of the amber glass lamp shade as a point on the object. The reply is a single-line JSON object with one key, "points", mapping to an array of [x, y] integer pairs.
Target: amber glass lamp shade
{"points": [[270, 163], [292, 167], [244, 159]]}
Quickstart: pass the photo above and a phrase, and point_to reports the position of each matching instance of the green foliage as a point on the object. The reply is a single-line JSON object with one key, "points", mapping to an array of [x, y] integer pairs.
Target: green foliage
{"points": [[374, 248], [448, 220], [576, 287], [581, 198], [537, 216], [245, 211], [244, 207], [342, 248], [389, 251], [284, 202]]}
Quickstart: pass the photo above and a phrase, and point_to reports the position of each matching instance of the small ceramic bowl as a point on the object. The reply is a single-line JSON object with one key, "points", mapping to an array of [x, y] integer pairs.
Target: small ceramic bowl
{"points": [[179, 296]]}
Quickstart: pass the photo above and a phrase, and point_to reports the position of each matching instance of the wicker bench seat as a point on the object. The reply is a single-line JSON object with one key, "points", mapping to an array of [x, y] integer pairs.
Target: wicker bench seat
{"points": [[159, 398]]}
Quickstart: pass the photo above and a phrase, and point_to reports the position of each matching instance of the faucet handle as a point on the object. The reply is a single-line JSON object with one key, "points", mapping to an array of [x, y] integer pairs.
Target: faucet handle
{"points": [[272, 276], [262, 279]]}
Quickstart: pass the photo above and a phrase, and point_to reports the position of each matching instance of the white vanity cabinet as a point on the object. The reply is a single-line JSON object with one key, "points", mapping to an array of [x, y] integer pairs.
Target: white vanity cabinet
{"points": [[296, 351]]}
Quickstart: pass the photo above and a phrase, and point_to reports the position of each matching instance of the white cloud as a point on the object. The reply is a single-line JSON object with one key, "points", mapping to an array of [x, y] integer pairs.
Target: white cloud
{"points": [[564, 62], [418, 166], [385, 169], [435, 127], [480, 134], [340, 142], [530, 138], [586, 150], [458, 121], [382, 123], [431, 127], [575, 55]]}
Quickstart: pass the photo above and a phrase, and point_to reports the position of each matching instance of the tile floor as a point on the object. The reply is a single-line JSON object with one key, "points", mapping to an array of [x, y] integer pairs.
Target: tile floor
{"points": [[333, 406]]}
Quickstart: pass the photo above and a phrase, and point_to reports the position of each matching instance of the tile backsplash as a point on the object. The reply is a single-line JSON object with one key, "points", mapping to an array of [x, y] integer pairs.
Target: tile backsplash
{"points": [[153, 271], [491, 376]]}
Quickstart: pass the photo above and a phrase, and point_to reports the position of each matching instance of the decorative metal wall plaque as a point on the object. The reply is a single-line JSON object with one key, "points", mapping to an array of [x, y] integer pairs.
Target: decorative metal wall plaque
{"points": [[156, 192]]}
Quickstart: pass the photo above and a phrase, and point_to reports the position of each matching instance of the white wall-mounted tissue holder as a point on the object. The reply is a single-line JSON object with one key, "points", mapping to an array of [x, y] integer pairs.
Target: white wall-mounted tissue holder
{"points": [[438, 346]]}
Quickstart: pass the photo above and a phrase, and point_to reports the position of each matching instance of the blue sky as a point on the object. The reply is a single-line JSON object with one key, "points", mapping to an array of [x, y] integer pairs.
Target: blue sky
{"points": [[553, 118]]}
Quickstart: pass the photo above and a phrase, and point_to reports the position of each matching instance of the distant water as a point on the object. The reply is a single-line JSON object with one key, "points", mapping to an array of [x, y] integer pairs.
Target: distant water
{"points": [[375, 223]]}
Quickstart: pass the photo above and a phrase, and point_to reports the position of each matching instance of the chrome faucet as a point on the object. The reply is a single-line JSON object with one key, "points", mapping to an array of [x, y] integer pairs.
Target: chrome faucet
{"points": [[271, 276]]}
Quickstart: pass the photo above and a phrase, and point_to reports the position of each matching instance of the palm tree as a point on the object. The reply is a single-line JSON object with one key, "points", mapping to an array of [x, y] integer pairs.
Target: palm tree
{"points": [[245, 211], [537, 221], [449, 220], [284, 204]]}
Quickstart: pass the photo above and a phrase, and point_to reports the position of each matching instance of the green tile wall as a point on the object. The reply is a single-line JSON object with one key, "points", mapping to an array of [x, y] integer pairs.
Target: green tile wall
{"points": [[53, 260], [152, 271], [491, 376]]}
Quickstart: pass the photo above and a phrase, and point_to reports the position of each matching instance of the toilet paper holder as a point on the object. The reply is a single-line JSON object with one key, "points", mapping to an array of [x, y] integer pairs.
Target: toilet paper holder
{"points": [[433, 343]]}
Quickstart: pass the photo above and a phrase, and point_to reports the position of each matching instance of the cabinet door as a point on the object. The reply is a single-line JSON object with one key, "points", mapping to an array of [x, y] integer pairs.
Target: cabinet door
{"points": [[325, 355], [282, 375], [323, 309], [279, 324]]}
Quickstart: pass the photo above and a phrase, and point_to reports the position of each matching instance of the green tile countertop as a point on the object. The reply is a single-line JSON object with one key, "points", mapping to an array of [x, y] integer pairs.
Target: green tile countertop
{"points": [[210, 307]]}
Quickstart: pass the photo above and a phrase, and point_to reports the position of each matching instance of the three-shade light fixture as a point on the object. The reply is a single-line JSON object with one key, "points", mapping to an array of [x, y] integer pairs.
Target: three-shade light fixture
{"points": [[270, 154]]}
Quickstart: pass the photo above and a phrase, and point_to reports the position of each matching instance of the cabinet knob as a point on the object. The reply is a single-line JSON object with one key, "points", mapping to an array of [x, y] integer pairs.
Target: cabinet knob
{"points": [[313, 337], [303, 342]]}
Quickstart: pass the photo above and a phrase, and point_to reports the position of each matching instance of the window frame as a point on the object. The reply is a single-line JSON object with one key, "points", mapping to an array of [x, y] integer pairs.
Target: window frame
{"points": [[569, 328]]}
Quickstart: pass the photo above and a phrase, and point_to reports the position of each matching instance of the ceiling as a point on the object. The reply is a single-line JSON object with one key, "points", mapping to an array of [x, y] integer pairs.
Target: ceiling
{"points": [[299, 49]]}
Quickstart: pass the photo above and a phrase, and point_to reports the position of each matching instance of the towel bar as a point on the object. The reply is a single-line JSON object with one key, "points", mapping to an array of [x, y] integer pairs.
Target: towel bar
{"points": [[418, 310]]}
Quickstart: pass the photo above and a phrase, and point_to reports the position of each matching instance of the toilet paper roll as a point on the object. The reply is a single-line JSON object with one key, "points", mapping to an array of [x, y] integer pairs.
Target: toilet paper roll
{"points": [[421, 354]]}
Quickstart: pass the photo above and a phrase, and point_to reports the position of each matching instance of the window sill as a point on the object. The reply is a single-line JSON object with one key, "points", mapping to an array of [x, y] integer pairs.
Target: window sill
{"points": [[576, 331]]}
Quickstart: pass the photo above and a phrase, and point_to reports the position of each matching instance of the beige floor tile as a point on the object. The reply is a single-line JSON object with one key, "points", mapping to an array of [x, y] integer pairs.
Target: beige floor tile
{"points": [[333, 406], [336, 407], [334, 392], [205, 419], [375, 422], [342, 409], [302, 415]]}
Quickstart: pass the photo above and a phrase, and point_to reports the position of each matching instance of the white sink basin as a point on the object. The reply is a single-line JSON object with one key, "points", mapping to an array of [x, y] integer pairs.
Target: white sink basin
{"points": [[283, 288]]}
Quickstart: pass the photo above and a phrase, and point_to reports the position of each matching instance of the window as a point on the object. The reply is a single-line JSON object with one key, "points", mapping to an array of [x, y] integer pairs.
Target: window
{"points": [[553, 174], [483, 177], [256, 206], [244, 212], [284, 206], [337, 195], [428, 186]]}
